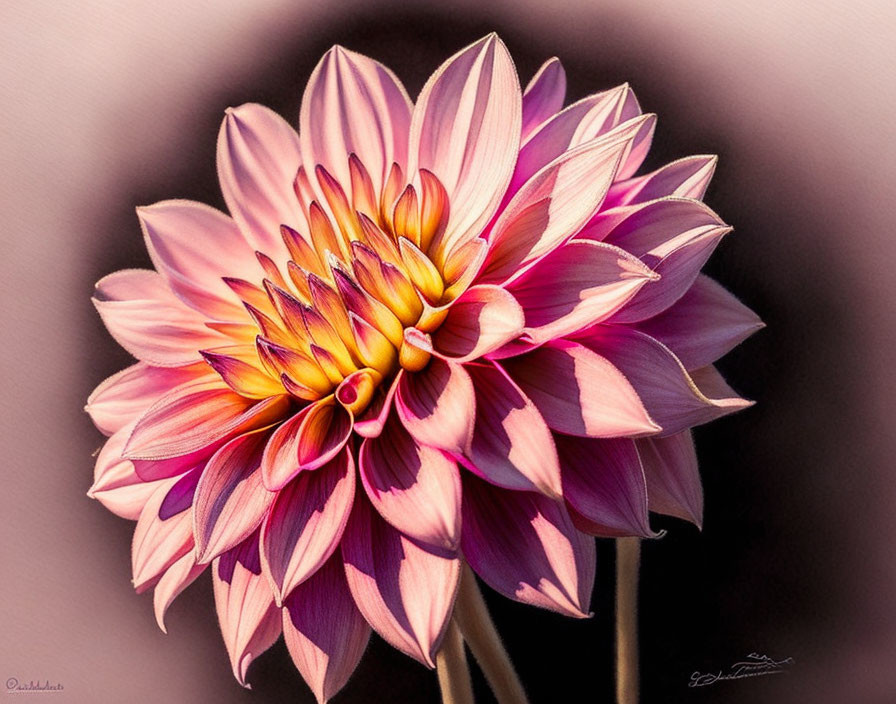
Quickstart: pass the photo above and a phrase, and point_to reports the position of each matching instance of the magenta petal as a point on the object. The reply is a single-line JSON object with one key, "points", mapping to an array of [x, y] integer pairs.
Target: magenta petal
{"points": [[116, 484], [685, 178], [483, 319], [414, 487], [576, 285], [603, 481], [525, 546], [512, 446], [437, 405], [125, 396], [704, 325], [149, 321], [195, 416], [306, 523], [579, 392], [258, 157], [193, 246], [162, 536], [674, 399], [325, 633], [230, 501], [544, 95], [405, 592], [250, 620], [354, 105], [466, 130], [673, 481], [178, 577]]}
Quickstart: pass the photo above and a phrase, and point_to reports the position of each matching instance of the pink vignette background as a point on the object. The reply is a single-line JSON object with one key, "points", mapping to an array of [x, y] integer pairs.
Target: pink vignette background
{"points": [[106, 106]]}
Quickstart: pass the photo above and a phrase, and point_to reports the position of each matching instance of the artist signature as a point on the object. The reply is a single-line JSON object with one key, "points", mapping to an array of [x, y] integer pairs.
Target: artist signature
{"points": [[754, 665]]}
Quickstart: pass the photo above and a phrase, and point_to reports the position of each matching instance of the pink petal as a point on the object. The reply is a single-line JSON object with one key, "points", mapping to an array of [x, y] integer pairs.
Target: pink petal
{"points": [[437, 405], [323, 433], [163, 536], [125, 396], [673, 481], [196, 415], [674, 237], [250, 620], [583, 121], [152, 470], [483, 319], [550, 207], [414, 487], [576, 285], [685, 178], [373, 420], [354, 105], [404, 591], [178, 577], [524, 546], [258, 157], [512, 446], [704, 325], [230, 501], [544, 95], [193, 246], [466, 129], [306, 523], [604, 482], [149, 321], [579, 392], [280, 462], [115, 483], [325, 633], [671, 396]]}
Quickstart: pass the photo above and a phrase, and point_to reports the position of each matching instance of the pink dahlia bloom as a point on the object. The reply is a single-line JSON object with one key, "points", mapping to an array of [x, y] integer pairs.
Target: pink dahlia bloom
{"points": [[460, 329]]}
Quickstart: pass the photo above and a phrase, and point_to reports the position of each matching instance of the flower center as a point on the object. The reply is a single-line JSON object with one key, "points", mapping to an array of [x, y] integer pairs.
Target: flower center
{"points": [[332, 320]]}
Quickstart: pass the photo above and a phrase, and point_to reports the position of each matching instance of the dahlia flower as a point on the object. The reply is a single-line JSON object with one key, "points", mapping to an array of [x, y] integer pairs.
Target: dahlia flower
{"points": [[454, 331]]}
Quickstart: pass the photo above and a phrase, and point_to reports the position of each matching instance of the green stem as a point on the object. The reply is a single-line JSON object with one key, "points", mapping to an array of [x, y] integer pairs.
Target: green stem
{"points": [[451, 667], [628, 559], [477, 628]]}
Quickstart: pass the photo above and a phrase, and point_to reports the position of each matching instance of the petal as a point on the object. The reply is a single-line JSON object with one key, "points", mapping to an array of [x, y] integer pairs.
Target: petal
{"points": [[306, 523], [483, 319], [512, 446], [193, 246], [583, 121], [325, 633], [125, 396], [162, 537], [258, 157], [684, 178], [577, 285], [672, 397], [674, 237], [704, 325], [466, 129], [673, 480], [437, 405], [414, 487], [603, 481], [178, 577], [149, 321], [250, 620], [195, 416], [115, 483], [242, 370], [544, 95], [551, 206], [230, 501], [280, 462], [354, 105], [405, 592], [373, 420], [524, 546], [579, 392]]}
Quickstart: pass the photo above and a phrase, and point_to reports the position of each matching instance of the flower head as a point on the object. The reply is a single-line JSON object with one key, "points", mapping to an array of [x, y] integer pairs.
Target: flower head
{"points": [[456, 327]]}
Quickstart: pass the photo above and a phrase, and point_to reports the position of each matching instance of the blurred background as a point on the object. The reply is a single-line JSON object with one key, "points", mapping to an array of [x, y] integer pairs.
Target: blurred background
{"points": [[109, 105]]}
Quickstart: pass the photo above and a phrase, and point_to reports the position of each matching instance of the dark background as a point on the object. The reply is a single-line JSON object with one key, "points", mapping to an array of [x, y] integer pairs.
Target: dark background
{"points": [[792, 559]]}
